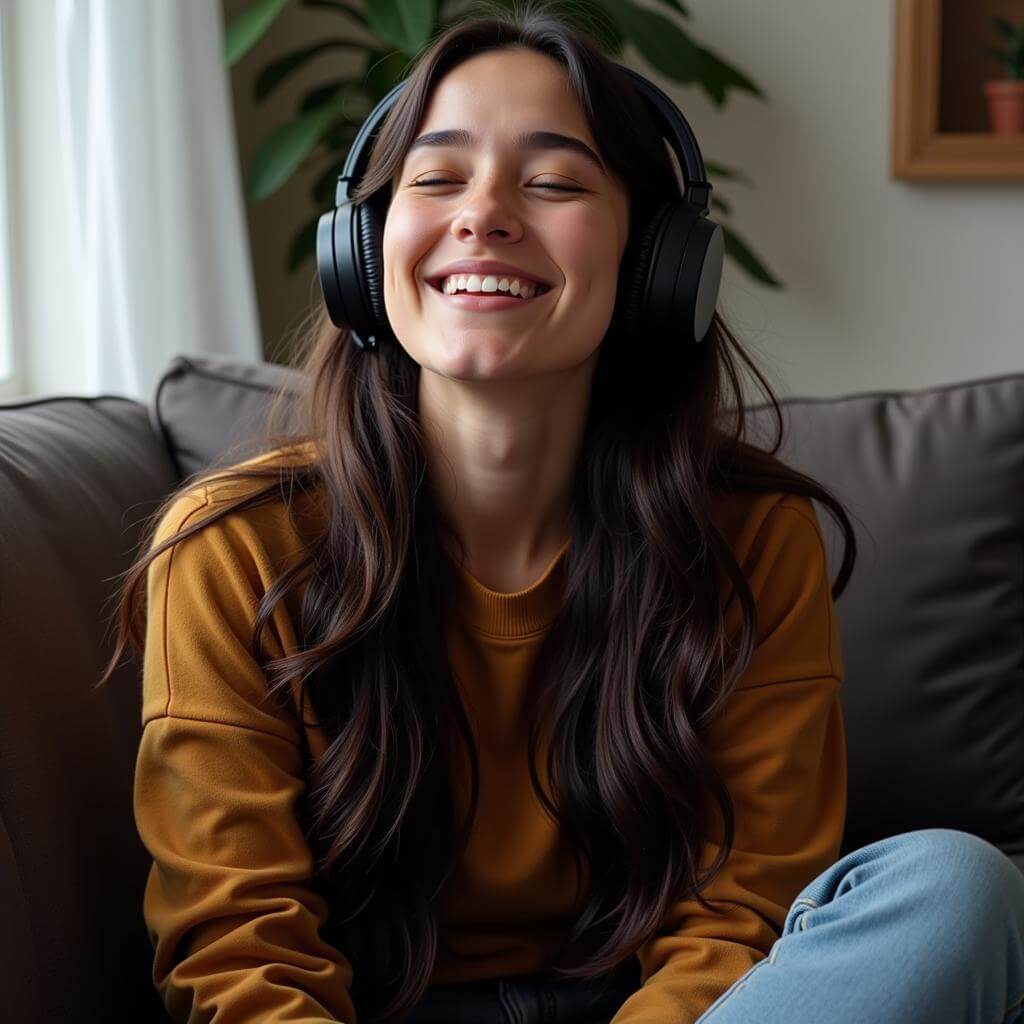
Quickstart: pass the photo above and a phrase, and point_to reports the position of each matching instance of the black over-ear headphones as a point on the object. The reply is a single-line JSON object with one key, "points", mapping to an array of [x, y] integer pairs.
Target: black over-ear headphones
{"points": [[668, 287]]}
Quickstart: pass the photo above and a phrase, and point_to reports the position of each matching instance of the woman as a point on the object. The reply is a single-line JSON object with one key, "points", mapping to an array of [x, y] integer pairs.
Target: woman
{"points": [[554, 729]]}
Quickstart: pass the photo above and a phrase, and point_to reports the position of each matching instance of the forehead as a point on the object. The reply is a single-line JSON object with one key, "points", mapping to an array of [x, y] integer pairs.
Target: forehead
{"points": [[477, 100]]}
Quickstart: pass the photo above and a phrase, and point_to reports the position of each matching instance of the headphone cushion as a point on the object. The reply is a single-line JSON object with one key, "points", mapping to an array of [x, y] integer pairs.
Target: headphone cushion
{"points": [[369, 226], [636, 267]]}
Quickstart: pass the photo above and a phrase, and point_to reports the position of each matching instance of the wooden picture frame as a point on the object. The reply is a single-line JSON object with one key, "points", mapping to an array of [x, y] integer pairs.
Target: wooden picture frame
{"points": [[920, 150]]}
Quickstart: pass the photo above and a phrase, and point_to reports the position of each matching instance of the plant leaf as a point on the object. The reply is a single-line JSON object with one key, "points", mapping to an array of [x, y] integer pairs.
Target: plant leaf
{"points": [[1003, 27], [247, 29], [407, 24], [278, 70], [321, 94], [284, 149], [741, 253], [340, 7], [666, 46], [720, 204], [677, 6], [717, 76], [341, 134], [1017, 57]]}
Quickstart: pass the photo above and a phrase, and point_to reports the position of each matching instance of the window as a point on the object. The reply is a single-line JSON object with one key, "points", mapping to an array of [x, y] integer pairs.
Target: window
{"points": [[9, 369]]}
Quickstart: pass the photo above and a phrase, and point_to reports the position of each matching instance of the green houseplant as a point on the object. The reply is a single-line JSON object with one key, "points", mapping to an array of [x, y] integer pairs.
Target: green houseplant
{"points": [[388, 33], [1006, 95]]}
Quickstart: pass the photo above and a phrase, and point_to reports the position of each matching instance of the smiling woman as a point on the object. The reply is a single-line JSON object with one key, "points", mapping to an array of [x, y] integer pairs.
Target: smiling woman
{"points": [[492, 198], [550, 650], [526, 187]]}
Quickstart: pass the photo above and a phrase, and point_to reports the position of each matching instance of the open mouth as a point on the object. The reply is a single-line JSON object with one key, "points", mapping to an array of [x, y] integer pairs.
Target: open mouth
{"points": [[435, 283]]}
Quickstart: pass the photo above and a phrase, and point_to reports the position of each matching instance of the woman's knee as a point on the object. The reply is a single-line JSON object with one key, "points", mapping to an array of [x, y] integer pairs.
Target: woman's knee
{"points": [[963, 857], [969, 877]]}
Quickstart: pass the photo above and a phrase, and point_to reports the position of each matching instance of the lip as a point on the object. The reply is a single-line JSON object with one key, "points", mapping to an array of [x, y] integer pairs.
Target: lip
{"points": [[484, 302]]}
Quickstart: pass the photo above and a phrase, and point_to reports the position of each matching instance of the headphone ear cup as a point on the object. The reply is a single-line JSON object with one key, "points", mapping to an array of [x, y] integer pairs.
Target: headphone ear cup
{"points": [[672, 280], [635, 274], [369, 232], [331, 231]]}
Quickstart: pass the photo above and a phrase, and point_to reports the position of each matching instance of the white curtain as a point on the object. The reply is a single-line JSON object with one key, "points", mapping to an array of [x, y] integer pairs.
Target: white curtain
{"points": [[159, 232]]}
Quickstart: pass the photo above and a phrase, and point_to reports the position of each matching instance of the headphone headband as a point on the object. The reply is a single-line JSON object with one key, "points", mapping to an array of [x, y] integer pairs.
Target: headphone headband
{"points": [[359, 152], [696, 191]]}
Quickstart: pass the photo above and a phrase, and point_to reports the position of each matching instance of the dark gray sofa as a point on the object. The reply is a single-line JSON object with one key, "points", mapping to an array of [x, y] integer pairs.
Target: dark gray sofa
{"points": [[932, 626]]}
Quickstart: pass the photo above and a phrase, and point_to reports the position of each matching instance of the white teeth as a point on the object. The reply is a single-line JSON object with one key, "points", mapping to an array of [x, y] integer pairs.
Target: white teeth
{"points": [[489, 283]]}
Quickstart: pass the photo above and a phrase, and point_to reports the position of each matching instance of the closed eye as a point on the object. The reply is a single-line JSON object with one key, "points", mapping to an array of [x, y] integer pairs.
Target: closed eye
{"points": [[444, 181]]}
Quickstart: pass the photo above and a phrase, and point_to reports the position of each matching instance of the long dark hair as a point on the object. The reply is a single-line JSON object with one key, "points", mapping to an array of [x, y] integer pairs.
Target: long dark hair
{"points": [[625, 687]]}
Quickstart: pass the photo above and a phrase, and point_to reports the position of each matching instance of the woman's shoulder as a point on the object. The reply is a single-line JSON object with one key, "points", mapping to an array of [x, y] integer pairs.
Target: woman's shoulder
{"points": [[776, 540], [758, 519], [284, 517], [778, 543]]}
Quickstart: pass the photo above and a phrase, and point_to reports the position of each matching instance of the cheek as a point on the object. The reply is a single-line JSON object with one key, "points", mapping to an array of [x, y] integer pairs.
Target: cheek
{"points": [[408, 230], [405, 243], [586, 242], [401, 233]]}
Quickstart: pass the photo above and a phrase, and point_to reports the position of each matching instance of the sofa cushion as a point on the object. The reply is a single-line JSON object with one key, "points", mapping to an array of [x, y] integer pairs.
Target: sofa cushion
{"points": [[212, 411], [78, 477]]}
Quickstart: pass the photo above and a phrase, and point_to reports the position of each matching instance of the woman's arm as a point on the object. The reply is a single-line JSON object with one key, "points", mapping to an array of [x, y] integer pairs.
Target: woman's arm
{"points": [[229, 907]]}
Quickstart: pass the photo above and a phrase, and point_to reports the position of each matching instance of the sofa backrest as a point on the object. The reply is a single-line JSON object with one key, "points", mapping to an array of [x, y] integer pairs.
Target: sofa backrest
{"points": [[78, 477], [931, 627], [212, 412], [932, 620]]}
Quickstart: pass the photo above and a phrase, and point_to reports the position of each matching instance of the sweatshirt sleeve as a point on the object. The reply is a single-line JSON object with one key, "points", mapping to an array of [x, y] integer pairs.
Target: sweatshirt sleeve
{"points": [[780, 747], [228, 905]]}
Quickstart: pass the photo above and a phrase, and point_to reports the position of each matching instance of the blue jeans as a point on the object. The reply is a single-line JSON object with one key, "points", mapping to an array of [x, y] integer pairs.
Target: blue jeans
{"points": [[923, 927]]}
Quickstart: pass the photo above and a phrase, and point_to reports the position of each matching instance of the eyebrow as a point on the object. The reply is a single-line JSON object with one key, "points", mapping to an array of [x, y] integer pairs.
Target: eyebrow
{"points": [[461, 138]]}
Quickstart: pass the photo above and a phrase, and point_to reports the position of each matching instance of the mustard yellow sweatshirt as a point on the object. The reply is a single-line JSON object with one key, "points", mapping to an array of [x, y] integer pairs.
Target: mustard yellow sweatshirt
{"points": [[228, 905]]}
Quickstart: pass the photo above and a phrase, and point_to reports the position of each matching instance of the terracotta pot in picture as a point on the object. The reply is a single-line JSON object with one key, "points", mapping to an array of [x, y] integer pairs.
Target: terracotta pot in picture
{"points": [[1005, 105]]}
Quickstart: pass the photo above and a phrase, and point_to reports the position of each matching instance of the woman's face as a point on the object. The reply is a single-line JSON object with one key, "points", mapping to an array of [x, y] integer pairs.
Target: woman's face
{"points": [[491, 206]]}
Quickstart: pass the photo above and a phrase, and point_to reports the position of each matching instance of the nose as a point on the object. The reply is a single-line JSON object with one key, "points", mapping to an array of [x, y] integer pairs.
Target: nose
{"points": [[487, 211]]}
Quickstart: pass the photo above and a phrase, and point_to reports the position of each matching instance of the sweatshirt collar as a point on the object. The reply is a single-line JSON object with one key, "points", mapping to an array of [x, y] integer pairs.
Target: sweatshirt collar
{"points": [[511, 615]]}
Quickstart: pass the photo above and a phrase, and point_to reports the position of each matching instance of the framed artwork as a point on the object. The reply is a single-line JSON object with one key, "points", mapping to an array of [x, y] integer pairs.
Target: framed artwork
{"points": [[945, 122]]}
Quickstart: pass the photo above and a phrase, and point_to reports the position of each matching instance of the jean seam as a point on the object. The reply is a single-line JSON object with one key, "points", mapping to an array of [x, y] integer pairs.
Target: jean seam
{"points": [[805, 901], [808, 904]]}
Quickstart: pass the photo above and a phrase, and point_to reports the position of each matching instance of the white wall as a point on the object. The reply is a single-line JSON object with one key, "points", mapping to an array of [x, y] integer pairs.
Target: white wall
{"points": [[889, 284]]}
